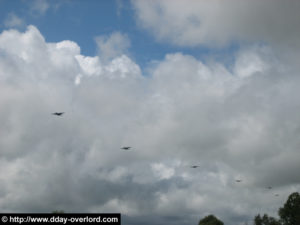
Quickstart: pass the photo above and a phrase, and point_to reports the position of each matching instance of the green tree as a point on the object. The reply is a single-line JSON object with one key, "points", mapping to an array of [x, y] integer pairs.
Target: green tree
{"points": [[265, 220], [290, 212], [210, 220]]}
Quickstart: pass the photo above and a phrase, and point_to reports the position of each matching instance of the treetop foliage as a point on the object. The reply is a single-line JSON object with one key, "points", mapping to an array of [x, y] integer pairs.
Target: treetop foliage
{"points": [[210, 220]]}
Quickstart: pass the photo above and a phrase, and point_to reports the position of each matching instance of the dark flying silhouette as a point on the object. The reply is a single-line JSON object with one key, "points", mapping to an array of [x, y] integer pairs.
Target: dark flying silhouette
{"points": [[126, 148], [238, 181], [58, 113], [194, 167]]}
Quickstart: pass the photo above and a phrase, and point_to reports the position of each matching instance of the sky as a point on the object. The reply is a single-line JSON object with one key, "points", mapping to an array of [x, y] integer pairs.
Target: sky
{"points": [[207, 83]]}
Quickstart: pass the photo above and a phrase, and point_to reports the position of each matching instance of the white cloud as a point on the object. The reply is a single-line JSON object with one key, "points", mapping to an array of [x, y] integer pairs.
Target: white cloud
{"points": [[90, 65], [217, 22], [240, 122], [162, 171], [13, 21], [251, 61], [111, 46], [39, 7]]}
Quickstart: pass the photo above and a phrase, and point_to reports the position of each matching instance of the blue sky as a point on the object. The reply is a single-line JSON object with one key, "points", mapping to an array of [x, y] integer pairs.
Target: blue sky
{"points": [[209, 83], [79, 21], [82, 21]]}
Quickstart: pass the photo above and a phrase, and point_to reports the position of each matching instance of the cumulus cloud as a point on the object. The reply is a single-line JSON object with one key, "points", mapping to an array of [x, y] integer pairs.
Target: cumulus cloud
{"points": [[114, 45], [217, 22], [238, 122]]}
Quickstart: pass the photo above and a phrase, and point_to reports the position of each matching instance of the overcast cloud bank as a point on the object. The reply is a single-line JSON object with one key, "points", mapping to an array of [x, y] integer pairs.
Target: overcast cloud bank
{"points": [[236, 122], [217, 22]]}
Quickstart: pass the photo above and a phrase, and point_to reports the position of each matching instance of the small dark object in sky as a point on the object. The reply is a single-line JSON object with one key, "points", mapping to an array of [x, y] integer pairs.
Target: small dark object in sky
{"points": [[126, 148], [238, 181], [269, 187], [194, 167], [276, 195], [58, 113]]}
